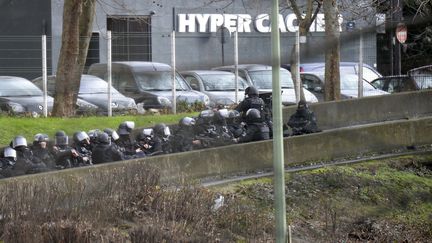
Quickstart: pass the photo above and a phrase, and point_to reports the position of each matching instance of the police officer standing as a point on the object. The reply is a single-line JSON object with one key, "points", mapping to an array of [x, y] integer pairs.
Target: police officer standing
{"points": [[252, 100]]}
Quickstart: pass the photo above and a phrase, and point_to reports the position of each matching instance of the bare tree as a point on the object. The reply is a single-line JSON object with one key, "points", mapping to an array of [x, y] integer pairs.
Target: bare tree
{"points": [[304, 22], [78, 18], [332, 53]]}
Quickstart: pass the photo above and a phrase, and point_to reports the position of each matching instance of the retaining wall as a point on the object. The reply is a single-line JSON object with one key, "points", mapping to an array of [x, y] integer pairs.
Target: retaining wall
{"points": [[372, 109], [254, 156]]}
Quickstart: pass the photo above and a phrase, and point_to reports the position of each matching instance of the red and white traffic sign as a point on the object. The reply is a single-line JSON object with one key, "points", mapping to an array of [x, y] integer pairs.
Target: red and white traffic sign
{"points": [[401, 33]]}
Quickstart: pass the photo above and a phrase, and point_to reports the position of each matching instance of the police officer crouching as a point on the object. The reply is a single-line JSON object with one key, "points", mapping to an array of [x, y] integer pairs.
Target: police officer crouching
{"points": [[104, 151], [256, 128], [303, 121]]}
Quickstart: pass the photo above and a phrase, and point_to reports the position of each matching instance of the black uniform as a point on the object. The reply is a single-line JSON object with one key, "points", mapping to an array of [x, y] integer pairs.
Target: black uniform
{"points": [[43, 155], [256, 129], [303, 121], [25, 162], [253, 101], [7, 168]]}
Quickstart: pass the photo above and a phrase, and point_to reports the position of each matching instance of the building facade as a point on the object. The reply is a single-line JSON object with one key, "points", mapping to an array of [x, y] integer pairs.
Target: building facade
{"points": [[143, 31]]}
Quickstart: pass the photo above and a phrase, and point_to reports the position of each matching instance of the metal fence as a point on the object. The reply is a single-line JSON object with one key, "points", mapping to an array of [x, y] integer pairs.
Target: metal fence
{"points": [[23, 55]]}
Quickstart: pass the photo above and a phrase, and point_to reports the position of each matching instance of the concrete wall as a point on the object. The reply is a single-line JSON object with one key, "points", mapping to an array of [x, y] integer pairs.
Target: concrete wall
{"points": [[366, 110], [383, 137]]}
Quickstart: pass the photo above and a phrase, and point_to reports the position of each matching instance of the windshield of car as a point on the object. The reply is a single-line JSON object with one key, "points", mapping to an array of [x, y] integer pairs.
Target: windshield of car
{"points": [[95, 85], [18, 87], [222, 82], [159, 81], [262, 79], [350, 82], [423, 81]]}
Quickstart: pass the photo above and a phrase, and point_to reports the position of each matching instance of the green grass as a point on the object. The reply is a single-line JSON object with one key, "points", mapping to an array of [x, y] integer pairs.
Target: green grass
{"points": [[28, 127]]}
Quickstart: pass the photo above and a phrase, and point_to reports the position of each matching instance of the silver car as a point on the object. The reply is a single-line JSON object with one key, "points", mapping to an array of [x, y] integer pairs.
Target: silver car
{"points": [[219, 86], [314, 82], [260, 76]]}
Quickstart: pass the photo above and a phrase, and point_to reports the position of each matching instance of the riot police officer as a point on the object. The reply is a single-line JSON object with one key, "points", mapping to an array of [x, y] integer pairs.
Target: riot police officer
{"points": [[64, 155], [125, 141], [161, 143], [104, 151], [41, 150], [256, 129], [303, 121], [185, 139], [83, 148], [7, 163], [252, 100], [26, 163]]}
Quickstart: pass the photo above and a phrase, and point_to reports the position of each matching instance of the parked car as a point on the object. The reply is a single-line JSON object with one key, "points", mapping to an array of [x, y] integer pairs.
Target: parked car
{"points": [[403, 83], [314, 82], [219, 86], [369, 73], [95, 91], [149, 83], [260, 76], [19, 95]]}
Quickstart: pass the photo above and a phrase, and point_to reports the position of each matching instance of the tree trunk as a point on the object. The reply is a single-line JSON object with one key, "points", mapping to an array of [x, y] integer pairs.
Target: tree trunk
{"points": [[332, 53], [78, 18], [304, 24]]}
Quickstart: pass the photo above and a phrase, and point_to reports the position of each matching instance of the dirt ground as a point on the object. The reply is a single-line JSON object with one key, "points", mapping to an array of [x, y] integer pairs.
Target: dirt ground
{"points": [[377, 201]]}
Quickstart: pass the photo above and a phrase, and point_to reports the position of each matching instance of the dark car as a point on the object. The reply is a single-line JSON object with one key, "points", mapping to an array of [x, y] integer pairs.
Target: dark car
{"points": [[19, 95], [314, 82], [403, 83], [149, 83], [95, 91], [369, 73], [219, 86]]}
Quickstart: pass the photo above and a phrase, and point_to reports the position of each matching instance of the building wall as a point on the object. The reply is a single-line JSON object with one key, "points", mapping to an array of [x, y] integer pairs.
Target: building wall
{"points": [[193, 50], [21, 28]]}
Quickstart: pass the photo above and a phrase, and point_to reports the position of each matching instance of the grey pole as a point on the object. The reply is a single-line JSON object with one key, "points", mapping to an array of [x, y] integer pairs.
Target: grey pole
{"points": [[173, 64], [44, 76], [297, 52], [360, 66], [109, 71], [236, 65], [278, 152]]}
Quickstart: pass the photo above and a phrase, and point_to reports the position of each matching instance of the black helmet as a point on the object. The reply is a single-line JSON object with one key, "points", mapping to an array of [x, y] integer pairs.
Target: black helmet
{"points": [[302, 104], [40, 137], [126, 127], [112, 133], [251, 91], [80, 136], [187, 121], [253, 114], [159, 129], [104, 138], [93, 135], [61, 138], [220, 116], [19, 141]]}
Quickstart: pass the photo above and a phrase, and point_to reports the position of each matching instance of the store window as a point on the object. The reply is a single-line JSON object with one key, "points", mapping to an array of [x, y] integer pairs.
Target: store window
{"points": [[131, 38]]}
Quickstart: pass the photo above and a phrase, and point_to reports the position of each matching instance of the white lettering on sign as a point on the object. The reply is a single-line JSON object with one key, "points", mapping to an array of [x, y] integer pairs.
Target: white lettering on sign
{"points": [[202, 20], [262, 23], [242, 23]]}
